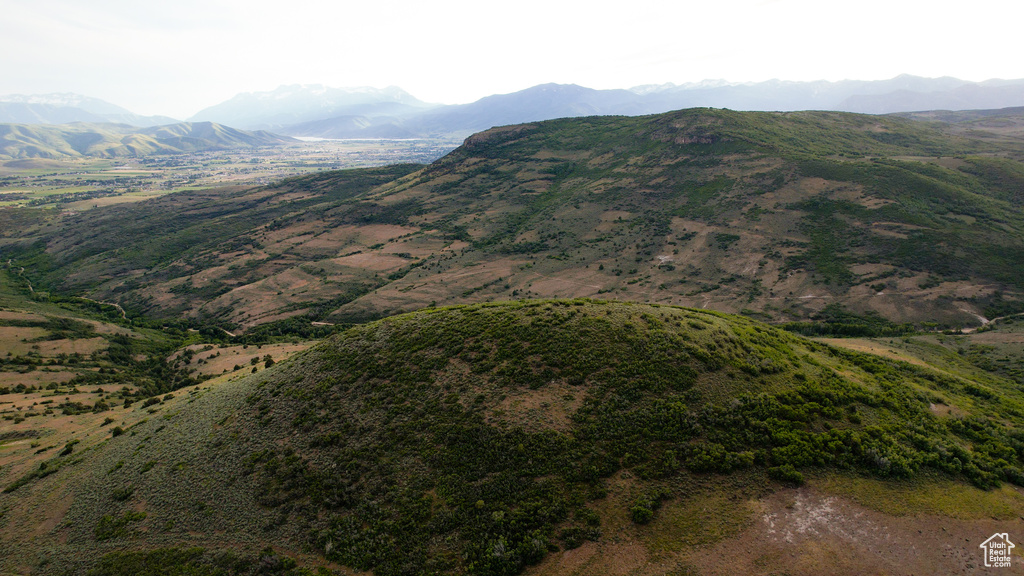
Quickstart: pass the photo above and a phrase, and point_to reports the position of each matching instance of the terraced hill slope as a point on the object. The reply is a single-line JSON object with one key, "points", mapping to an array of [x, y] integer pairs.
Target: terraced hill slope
{"points": [[557, 437], [775, 214]]}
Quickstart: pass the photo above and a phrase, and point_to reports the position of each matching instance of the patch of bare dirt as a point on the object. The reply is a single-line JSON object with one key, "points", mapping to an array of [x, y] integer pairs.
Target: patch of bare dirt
{"points": [[372, 261], [801, 532], [12, 315], [218, 360], [945, 410], [550, 406], [804, 532]]}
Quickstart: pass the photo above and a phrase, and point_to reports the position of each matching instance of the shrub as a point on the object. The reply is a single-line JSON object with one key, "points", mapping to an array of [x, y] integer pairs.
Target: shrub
{"points": [[111, 526], [786, 473], [641, 512]]}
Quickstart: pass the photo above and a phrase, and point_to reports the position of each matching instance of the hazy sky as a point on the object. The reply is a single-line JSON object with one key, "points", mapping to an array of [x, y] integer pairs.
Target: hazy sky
{"points": [[177, 57]]}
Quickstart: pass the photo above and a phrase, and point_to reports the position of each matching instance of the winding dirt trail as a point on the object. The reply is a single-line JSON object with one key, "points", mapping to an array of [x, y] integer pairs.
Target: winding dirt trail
{"points": [[21, 272], [124, 316], [986, 321]]}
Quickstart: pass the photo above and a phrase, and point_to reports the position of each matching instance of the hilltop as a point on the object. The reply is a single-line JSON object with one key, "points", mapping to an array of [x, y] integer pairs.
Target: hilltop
{"points": [[779, 215], [484, 439]]}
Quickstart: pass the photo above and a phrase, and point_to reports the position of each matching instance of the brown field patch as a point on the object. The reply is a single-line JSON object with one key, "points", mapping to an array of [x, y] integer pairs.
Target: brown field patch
{"points": [[28, 316], [456, 246], [419, 247], [375, 233], [218, 360], [274, 317], [103, 201], [54, 430], [105, 328], [77, 346], [37, 377], [18, 339], [375, 261], [560, 287]]}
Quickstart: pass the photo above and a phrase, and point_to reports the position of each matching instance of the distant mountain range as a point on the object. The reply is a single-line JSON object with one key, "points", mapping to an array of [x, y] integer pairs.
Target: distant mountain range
{"points": [[295, 104], [65, 107], [317, 111], [115, 140]]}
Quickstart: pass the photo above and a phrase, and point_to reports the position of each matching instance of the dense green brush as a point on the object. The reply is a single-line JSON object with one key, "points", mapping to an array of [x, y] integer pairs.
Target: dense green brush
{"points": [[403, 459]]}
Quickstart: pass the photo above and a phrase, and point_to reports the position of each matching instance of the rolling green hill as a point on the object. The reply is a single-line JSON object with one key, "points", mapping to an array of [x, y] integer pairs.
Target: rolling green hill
{"points": [[507, 424], [115, 140], [778, 215], [486, 439]]}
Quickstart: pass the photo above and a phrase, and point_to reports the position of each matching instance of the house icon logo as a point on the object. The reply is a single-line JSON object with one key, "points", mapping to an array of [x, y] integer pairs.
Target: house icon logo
{"points": [[997, 550]]}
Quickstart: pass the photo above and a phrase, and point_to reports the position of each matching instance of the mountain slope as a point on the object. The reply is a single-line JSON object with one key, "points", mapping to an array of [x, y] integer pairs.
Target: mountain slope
{"points": [[778, 214], [487, 438], [353, 126], [113, 140], [542, 102]]}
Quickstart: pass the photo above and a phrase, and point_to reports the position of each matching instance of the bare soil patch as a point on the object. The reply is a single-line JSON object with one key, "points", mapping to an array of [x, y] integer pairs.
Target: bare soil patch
{"points": [[372, 261], [13, 315], [550, 406], [799, 532]]}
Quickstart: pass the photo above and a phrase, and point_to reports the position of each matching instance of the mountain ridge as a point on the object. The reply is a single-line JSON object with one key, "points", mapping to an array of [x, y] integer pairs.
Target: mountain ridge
{"points": [[903, 93], [778, 214], [67, 107], [80, 139]]}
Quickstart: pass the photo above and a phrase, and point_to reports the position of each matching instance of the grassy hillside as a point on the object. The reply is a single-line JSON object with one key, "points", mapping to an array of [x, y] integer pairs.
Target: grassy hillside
{"points": [[777, 215], [488, 438], [70, 367], [197, 247], [115, 140], [75, 373]]}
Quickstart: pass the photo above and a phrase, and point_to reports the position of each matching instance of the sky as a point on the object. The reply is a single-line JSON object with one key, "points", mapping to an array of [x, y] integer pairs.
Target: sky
{"points": [[177, 57]]}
